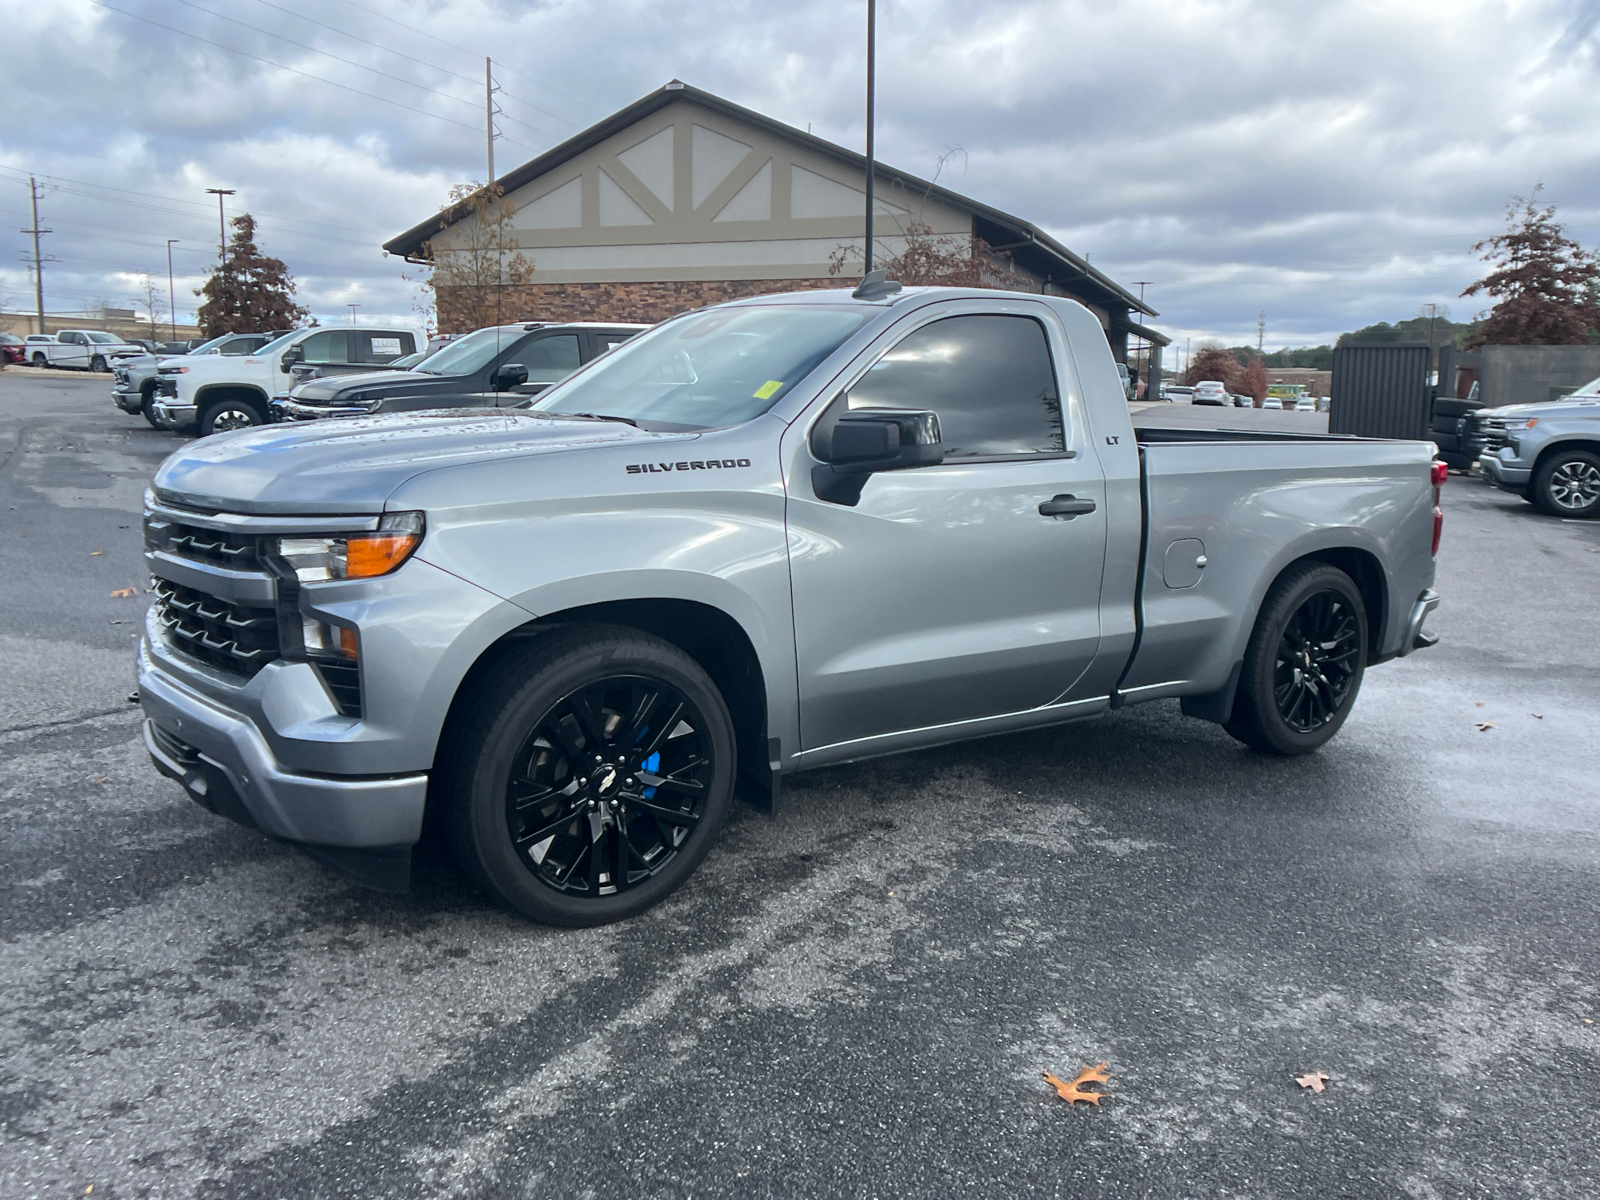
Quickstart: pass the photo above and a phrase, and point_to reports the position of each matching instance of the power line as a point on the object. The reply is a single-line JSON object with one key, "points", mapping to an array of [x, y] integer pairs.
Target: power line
{"points": [[422, 61], [293, 70], [350, 62]]}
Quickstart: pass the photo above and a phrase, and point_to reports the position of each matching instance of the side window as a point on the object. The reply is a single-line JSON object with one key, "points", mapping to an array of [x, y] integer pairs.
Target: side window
{"points": [[239, 346], [989, 378], [72, 339], [607, 340], [329, 346], [550, 359], [382, 347]]}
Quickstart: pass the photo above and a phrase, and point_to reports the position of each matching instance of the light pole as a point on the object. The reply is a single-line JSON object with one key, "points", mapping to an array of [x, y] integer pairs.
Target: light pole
{"points": [[222, 224], [352, 308], [872, 58], [1433, 310], [172, 306]]}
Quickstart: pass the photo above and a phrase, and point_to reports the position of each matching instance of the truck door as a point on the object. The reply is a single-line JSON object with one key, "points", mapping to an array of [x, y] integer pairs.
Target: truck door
{"points": [[951, 592], [72, 350]]}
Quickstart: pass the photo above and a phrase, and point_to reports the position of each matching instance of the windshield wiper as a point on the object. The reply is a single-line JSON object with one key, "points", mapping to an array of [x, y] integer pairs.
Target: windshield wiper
{"points": [[588, 416]]}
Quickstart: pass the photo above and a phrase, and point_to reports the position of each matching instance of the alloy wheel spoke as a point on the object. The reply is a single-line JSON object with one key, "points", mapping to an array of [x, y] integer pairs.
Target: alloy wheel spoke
{"points": [[663, 730], [672, 816], [551, 827]]}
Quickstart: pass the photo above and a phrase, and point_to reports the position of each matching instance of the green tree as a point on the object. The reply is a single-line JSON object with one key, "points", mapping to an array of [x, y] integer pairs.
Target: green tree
{"points": [[247, 292], [1543, 282]]}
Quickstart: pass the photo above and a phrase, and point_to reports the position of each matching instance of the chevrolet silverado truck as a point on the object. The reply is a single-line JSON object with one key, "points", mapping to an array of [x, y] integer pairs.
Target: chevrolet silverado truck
{"points": [[495, 367], [1547, 453], [134, 386], [85, 349], [217, 393], [759, 538]]}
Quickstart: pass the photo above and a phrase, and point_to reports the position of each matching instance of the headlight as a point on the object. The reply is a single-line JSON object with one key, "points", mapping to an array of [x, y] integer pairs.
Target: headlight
{"points": [[1528, 424], [353, 555]]}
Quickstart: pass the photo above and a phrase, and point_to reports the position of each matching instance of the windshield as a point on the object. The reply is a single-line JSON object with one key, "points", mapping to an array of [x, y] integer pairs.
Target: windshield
{"points": [[708, 370], [1592, 388], [104, 339], [274, 347], [211, 347], [471, 353]]}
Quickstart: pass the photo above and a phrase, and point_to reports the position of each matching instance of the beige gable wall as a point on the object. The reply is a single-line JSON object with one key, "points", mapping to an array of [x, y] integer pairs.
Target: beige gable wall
{"points": [[687, 194]]}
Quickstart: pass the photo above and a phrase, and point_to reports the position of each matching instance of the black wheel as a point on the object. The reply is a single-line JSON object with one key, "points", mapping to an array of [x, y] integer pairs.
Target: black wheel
{"points": [[1567, 484], [224, 415], [1304, 664], [589, 775], [97, 363], [147, 399], [39, 359]]}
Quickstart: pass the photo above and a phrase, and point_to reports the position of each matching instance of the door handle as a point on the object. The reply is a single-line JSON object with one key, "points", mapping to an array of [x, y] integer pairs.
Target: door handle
{"points": [[1065, 506]]}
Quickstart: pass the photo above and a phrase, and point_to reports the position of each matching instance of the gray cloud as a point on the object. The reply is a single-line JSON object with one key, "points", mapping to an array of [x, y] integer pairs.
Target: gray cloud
{"points": [[1330, 164]]}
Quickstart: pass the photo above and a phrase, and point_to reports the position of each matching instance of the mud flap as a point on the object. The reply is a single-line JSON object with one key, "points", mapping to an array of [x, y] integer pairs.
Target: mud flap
{"points": [[1215, 706]]}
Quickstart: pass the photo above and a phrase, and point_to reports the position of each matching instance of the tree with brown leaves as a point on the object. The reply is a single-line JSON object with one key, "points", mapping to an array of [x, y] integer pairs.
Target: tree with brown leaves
{"points": [[1214, 362], [248, 292], [1545, 285], [1253, 381]]}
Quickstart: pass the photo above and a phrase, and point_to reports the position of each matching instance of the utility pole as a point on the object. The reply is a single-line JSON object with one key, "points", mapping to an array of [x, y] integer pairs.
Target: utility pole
{"points": [[1433, 311], [352, 308], [172, 305], [872, 79], [1261, 330], [488, 116], [222, 224], [1141, 283], [38, 259]]}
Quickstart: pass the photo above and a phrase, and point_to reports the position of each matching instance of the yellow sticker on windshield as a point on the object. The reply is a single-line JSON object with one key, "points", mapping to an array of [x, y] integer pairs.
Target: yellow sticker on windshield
{"points": [[769, 389]]}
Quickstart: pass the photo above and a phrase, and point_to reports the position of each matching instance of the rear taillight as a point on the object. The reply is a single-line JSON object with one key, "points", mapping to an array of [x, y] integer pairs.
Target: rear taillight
{"points": [[1441, 472]]}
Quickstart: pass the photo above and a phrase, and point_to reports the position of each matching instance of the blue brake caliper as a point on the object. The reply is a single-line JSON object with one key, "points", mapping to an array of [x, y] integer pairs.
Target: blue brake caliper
{"points": [[653, 765]]}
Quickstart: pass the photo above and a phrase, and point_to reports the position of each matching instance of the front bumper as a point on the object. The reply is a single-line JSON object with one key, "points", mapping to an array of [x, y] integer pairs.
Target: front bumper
{"points": [[128, 402], [213, 751], [171, 414], [1505, 472], [286, 409]]}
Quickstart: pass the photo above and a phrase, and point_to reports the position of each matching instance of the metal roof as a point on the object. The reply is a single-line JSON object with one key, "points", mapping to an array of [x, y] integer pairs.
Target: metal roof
{"points": [[1032, 246]]}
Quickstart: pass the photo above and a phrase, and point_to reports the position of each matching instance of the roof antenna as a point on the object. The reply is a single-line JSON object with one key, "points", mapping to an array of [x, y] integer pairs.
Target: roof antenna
{"points": [[875, 286]]}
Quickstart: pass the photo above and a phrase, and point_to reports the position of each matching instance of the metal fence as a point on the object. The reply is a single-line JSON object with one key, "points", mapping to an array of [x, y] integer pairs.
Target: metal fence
{"points": [[1381, 391]]}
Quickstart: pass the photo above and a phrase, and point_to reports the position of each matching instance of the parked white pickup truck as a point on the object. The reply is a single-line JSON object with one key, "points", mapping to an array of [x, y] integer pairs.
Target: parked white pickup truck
{"points": [[90, 349], [220, 392]]}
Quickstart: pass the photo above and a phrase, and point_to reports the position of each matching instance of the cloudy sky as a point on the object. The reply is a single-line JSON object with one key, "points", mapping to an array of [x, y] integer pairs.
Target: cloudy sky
{"points": [[1329, 162]]}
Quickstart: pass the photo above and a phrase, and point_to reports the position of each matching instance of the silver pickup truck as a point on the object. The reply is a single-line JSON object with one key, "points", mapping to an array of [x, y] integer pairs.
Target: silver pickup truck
{"points": [[762, 537]]}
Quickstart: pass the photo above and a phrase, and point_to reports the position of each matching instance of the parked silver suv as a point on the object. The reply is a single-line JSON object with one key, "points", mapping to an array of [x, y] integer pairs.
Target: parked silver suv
{"points": [[1548, 453]]}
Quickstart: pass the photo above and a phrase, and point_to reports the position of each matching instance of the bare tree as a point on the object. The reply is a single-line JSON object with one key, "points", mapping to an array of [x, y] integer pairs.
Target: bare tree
{"points": [[939, 260], [481, 259], [149, 301]]}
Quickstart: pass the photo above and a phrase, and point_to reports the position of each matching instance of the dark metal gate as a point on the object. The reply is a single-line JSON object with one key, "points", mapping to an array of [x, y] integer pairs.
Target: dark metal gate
{"points": [[1382, 391]]}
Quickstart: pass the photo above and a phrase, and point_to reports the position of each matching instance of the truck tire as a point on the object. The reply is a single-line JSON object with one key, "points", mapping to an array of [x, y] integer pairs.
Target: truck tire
{"points": [[39, 360], [98, 364], [587, 774], [1567, 484], [222, 415], [1303, 666], [147, 400]]}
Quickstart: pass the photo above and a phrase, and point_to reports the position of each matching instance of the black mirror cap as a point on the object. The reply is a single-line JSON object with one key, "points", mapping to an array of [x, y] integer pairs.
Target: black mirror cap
{"points": [[509, 376], [857, 444]]}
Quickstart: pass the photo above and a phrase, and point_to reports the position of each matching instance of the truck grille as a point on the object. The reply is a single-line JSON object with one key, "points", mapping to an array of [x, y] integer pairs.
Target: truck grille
{"points": [[1494, 436], [222, 635], [166, 387], [239, 552]]}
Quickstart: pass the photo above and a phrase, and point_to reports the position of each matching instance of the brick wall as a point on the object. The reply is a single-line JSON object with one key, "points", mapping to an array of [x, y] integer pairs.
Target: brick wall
{"points": [[645, 302]]}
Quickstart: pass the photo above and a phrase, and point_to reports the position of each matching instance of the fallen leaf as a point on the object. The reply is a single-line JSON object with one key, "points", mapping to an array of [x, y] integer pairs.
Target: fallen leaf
{"points": [[1316, 1081], [1480, 703], [102, 779], [1073, 1092], [92, 553], [124, 593], [1485, 726], [1588, 1020], [1537, 716]]}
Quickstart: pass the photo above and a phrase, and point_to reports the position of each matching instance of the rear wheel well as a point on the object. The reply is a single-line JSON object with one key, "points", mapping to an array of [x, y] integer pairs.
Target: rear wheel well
{"points": [[706, 634], [1364, 568]]}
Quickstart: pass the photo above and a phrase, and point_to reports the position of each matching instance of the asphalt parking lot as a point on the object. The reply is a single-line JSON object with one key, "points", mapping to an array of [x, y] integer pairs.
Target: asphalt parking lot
{"points": [[857, 998]]}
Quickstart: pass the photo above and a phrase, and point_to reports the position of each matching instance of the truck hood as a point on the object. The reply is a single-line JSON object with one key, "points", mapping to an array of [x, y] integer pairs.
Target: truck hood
{"points": [[352, 465], [1577, 406], [391, 383]]}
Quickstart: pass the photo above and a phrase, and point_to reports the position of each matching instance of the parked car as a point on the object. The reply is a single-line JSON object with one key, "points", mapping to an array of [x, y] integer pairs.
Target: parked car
{"points": [[1547, 453], [1209, 391], [1178, 393], [12, 349], [134, 389], [501, 366], [1242, 401], [1305, 404], [758, 538], [215, 393], [1272, 402], [85, 349]]}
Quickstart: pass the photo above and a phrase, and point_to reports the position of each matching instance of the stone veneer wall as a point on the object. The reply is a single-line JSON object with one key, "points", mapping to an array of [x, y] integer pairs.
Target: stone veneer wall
{"points": [[643, 302]]}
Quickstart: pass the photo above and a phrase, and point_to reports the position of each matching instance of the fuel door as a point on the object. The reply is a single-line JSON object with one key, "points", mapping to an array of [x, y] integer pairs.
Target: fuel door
{"points": [[1186, 562]]}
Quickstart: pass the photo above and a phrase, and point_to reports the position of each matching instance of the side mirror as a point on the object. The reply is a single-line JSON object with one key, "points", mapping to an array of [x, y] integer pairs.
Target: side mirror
{"points": [[510, 377], [857, 444], [291, 356]]}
